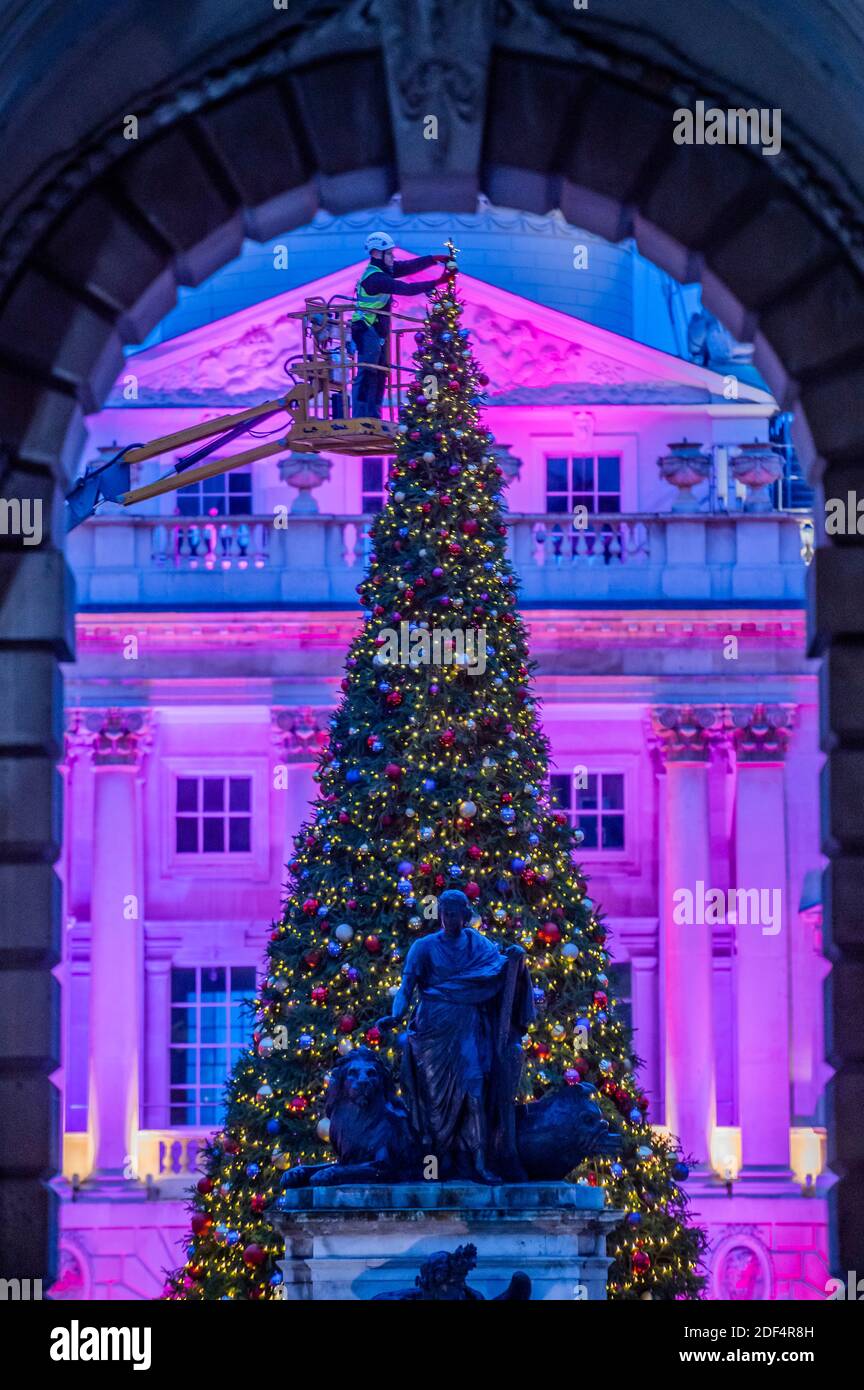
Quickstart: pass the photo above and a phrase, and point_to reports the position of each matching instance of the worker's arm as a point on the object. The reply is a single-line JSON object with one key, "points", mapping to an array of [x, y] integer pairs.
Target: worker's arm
{"points": [[382, 283], [417, 263]]}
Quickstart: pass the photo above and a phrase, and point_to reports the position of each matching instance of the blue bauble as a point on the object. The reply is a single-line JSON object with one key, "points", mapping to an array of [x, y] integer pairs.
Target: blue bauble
{"points": [[272, 1126], [252, 1170], [635, 1115], [306, 1041], [446, 337], [617, 1170], [352, 775], [634, 1218], [517, 865], [276, 1279], [680, 1172], [455, 870], [429, 784], [334, 948]]}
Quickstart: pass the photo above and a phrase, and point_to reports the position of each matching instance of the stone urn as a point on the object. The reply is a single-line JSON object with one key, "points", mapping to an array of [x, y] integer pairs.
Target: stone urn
{"points": [[685, 467], [758, 466], [305, 472]]}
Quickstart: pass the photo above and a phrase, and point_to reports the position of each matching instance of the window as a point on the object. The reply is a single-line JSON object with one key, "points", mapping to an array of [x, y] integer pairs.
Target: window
{"points": [[210, 1026], [229, 494], [213, 815], [373, 484], [594, 802], [621, 990], [584, 480]]}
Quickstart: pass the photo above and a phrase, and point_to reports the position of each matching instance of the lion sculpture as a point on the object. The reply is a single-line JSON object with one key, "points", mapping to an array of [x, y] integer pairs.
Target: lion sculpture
{"points": [[368, 1128]]}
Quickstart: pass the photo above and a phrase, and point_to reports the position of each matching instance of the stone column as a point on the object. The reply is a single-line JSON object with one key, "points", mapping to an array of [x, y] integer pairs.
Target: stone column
{"points": [[298, 736], [759, 737], [683, 737], [120, 738]]}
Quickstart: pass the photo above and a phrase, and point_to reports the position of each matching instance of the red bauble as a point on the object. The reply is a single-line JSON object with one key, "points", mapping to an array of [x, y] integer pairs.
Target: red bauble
{"points": [[254, 1255], [472, 891], [550, 932], [439, 880], [470, 527], [312, 959], [311, 905], [506, 798], [394, 698], [344, 818], [319, 994], [231, 1146], [298, 1104], [581, 1065], [373, 1036], [447, 738], [347, 1023], [454, 548], [425, 867], [258, 1202], [474, 852], [641, 1261], [351, 904], [542, 1049], [373, 945], [200, 1224], [393, 771]]}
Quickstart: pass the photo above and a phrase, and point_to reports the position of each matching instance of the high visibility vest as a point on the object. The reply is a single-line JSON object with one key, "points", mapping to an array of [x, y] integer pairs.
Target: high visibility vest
{"points": [[368, 305]]}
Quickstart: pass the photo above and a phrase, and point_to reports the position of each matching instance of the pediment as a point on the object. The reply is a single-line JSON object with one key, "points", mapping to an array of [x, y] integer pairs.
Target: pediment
{"points": [[532, 355]]}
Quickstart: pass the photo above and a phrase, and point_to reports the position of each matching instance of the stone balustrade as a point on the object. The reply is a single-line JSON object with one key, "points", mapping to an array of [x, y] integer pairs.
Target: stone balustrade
{"points": [[126, 560]]}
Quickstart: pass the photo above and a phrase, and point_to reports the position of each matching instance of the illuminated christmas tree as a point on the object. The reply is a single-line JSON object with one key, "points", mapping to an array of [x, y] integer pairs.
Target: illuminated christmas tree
{"points": [[435, 776]]}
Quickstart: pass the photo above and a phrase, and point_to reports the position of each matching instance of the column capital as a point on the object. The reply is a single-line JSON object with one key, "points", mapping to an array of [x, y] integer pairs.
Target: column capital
{"points": [[760, 733], [299, 733], [117, 737], [685, 733]]}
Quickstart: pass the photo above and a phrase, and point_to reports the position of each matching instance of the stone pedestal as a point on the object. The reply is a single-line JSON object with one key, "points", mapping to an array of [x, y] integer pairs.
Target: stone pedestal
{"points": [[346, 1243]]}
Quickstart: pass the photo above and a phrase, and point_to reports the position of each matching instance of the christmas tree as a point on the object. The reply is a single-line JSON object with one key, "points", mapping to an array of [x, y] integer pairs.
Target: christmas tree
{"points": [[435, 776]]}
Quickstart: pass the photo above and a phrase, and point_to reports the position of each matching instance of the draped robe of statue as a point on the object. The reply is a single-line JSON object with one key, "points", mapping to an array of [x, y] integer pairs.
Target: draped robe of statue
{"points": [[463, 1055]]}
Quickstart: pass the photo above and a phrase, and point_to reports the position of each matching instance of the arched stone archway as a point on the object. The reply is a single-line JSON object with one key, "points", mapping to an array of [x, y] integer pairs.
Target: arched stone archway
{"points": [[539, 105]]}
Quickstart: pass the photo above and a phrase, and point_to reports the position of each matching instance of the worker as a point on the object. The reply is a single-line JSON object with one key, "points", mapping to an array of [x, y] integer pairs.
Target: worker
{"points": [[371, 320]]}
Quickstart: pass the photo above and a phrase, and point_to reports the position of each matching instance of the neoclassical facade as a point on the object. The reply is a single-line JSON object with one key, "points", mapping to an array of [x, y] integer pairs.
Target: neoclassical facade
{"points": [[680, 707]]}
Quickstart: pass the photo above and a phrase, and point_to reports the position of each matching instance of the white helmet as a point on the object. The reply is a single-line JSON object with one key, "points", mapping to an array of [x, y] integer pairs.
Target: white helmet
{"points": [[380, 241]]}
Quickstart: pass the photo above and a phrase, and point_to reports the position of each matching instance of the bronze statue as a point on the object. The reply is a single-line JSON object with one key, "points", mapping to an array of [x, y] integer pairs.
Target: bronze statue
{"points": [[463, 1053], [442, 1279], [461, 1070]]}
